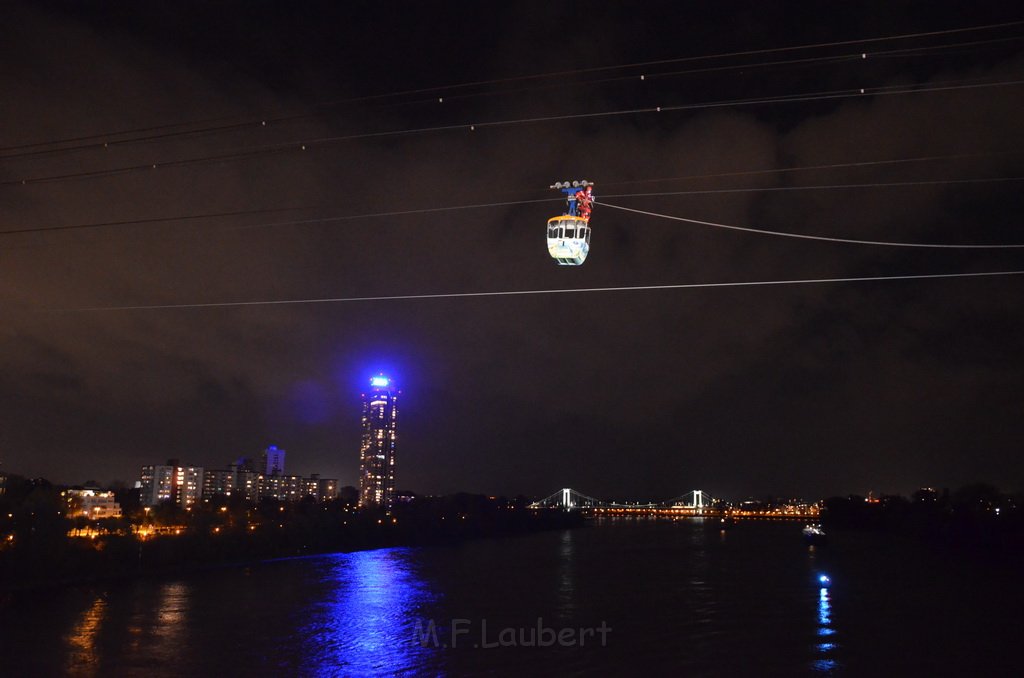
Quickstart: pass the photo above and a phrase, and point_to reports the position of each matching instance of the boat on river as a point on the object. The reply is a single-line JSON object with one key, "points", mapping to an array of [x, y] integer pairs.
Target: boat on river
{"points": [[813, 534]]}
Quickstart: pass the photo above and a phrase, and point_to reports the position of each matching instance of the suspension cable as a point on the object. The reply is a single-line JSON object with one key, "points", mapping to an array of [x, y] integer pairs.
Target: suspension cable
{"points": [[512, 293], [228, 122], [305, 145], [804, 236]]}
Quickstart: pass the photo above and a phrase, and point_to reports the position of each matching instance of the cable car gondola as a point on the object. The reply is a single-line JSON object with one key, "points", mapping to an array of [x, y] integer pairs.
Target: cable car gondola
{"points": [[569, 234]]}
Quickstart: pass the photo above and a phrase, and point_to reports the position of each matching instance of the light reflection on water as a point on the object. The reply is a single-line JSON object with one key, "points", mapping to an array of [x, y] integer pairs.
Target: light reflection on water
{"points": [[702, 604], [148, 630], [566, 578], [368, 623], [825, 662], [823, 648], [82, 656], [172, 613]]}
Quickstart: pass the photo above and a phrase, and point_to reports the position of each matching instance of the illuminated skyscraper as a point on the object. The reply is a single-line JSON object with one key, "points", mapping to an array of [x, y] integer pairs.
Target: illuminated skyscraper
{"points": [[273, 461], [377, 451]]}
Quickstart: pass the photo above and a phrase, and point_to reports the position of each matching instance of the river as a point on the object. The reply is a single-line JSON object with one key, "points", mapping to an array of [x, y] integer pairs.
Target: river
{"points": [[618, 597]]}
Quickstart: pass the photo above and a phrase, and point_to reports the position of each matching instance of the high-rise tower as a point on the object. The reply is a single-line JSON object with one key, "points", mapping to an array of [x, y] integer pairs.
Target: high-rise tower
{"points": [[377, 450], [272, 461]]}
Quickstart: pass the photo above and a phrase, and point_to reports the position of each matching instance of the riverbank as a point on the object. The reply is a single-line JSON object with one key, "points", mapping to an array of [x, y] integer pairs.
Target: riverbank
{"points": [[39, 561]]}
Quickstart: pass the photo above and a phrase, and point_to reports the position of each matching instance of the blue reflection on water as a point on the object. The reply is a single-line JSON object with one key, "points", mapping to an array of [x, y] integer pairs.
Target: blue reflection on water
{"points": [[826, 663], [368, 622], [824, 610]]}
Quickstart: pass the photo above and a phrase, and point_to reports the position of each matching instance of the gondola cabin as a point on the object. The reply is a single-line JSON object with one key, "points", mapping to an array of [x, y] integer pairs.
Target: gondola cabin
{"points": [[569, 234], [568, 240]]}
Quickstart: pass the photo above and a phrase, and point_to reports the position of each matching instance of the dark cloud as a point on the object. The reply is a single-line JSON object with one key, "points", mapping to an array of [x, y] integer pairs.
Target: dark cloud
{"points": [[829, 388]]}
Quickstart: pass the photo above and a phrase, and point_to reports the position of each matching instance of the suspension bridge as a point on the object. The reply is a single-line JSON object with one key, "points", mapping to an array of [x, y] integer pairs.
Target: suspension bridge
{"points": [[695, 503]]}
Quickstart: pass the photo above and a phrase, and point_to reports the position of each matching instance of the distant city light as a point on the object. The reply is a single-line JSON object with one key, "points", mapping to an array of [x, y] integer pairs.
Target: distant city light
{"points": [[825, 581], [379, 381]]}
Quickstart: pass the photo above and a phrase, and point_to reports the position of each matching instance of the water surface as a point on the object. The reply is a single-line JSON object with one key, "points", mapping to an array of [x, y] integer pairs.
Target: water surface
{"points": [[674, 598]]}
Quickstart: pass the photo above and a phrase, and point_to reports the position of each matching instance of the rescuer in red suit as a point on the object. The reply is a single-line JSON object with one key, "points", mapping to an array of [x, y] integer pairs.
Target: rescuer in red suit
{"points": [[585, 199]]}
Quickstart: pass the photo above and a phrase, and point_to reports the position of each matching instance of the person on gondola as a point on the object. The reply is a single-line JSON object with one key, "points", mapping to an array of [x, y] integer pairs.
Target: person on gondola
{"points": [[585, 200]]}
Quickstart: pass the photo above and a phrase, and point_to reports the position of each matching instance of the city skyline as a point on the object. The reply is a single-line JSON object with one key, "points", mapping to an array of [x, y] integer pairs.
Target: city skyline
{"points": [[272, 455]]}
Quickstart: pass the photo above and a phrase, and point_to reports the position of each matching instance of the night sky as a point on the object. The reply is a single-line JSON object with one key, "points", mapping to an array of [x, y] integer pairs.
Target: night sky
{"points": [[800, 390]]}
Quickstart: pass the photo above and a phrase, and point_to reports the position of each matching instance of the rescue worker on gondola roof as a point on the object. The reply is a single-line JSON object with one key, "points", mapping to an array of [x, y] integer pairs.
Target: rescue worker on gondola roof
{"points": [[585, 198]]}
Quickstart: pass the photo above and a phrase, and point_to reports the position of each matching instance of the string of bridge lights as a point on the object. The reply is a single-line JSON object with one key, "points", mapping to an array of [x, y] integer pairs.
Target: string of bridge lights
{"points": [[231, 123]]}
